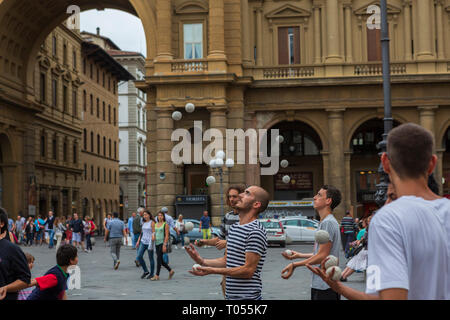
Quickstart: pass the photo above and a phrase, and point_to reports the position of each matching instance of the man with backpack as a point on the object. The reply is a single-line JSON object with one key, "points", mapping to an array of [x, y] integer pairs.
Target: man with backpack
{"points": [[137, 229]]}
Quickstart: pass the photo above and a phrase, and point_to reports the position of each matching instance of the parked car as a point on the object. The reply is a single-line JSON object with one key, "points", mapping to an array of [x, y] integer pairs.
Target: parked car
{"points": [[194, 234], [275, 231], [300, 228]]}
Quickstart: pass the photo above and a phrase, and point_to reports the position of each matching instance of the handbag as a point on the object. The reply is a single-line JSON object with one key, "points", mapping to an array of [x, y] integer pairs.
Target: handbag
{"points": [[355, 250]]}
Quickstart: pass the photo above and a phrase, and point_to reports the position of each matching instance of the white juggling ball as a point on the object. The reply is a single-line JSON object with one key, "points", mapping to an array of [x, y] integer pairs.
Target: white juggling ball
{"points": [[177, 116], [322, 237], [188, 226], [284, 163], [288, 252], [331, 262], [210, 180], [337, 273], [195, 266], [280, 139], [286, 179], [190, 107]]}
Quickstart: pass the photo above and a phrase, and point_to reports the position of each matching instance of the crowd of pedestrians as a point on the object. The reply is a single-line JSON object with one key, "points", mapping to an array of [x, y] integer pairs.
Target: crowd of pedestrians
{"points": [[406, 241]]}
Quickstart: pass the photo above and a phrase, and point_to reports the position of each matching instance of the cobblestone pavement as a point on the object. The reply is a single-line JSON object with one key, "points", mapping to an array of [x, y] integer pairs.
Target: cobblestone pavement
{"points": [[100, 281]]}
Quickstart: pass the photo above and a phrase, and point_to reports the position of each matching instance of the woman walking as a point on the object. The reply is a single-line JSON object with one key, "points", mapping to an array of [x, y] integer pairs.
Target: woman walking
{"points": [[29, 231], [145, 243], [59, 230], [179, 225], [161, 237]]}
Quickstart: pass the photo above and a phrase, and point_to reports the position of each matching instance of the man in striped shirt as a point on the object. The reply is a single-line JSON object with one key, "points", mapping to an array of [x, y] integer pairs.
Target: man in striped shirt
{"points": [[246, 249]]}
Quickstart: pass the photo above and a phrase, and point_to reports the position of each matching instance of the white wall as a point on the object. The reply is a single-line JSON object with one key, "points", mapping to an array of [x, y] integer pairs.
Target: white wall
{"points": [[123, 147]]}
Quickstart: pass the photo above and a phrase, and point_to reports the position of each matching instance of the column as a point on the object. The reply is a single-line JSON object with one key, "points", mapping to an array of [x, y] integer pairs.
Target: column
{"points": [[348, 179], [424, 50], [439, 30], [165, 187], [426, 118], [60, 202], [218, 120], [236, 121], [332, 32], [348, 32], [252, 171], [317, 47], [259, 37], [151, 146], [336, 158], [69, 202], [216, 29], [245, 22], [164, 23], [407, 25]]}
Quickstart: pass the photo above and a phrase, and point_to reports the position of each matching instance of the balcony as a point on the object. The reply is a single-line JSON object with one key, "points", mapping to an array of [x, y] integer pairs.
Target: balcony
{"points": [[189, 66], [368, 70]]}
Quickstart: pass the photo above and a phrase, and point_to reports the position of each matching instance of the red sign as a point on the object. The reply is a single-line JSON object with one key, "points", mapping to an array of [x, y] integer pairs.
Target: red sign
{"points": [[299, 181]]}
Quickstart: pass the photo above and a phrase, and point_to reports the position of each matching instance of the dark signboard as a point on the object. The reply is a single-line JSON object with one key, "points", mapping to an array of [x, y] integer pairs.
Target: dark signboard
{"points": [[299, 181]]}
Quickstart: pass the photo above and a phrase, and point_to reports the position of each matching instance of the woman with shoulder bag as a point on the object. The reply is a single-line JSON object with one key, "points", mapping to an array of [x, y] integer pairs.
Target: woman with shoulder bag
{"points": [[161, 238], [145, 243]]}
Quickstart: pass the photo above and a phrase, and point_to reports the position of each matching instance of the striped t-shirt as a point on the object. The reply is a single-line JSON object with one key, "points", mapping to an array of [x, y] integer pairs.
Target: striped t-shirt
{"points": [[250, 237]]}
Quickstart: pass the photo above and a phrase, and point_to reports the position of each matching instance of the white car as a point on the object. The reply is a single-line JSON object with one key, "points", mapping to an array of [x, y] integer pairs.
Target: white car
{"points": [[300, 228], [275, 231]]}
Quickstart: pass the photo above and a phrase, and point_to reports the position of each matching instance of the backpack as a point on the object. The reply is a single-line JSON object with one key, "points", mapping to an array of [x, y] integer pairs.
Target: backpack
{"points": [[137, 227]]}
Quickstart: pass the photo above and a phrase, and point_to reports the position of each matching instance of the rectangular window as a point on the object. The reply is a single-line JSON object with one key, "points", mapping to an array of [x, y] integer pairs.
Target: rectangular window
{"points": [[193, 41], [115, 150], [98, 174], [65, 151], [92, 104], [98, 108], [84, 66], [92, 173], [65, 54], [74, 103], [288, 45], [104, 111], [54, 148], [74, 60], [84, 101], [104, 175], [54, 46], [85, 172], [54, 93], [91, 71], [374, 45], [43, 146], [43, 80], [75, 153], [65, 109]]}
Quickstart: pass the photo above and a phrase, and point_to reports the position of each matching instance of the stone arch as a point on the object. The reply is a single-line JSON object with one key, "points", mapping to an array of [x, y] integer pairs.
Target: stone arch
{"points": [[23, 37], [281, 118], [441, 133], [356, 125]]}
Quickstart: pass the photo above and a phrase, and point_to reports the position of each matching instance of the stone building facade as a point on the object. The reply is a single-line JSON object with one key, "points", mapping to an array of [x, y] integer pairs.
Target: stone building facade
{"points": [[101, 75], [58, 128], [132, 133], [311, 68]]}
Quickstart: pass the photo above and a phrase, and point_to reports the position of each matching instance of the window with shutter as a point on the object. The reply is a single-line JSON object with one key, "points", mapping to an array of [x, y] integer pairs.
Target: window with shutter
{"points": [[288, 45], [374, 45]]}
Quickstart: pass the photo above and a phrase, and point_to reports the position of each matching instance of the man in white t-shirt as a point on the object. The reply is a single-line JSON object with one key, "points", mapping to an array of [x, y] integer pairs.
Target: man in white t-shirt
{"points": [[409, 238]]}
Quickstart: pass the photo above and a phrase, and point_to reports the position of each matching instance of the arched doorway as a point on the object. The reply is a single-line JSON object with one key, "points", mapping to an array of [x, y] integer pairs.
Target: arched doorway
{"points": [[7, 172], [364, 165], [301, 148], [446, 164]]}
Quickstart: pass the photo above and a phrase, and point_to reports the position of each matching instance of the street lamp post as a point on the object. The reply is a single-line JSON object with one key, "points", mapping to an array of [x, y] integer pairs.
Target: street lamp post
{"points": [[218, 164], [380, 195]]}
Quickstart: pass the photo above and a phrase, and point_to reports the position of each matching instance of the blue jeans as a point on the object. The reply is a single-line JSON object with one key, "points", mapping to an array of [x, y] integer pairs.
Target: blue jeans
{"points": [[51, 234], [134, 240], [181, 238], [140, 257]]}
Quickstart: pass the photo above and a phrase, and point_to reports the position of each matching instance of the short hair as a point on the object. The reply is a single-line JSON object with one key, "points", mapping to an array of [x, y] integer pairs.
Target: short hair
{"points": [[262, 196], [30, 257], [347, 212], [115, 214], [334, 194], [64, 254], [409, 149]]}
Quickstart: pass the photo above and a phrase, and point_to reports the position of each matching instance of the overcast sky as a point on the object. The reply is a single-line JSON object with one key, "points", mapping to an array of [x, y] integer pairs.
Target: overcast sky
{"points": [[124, 29]]}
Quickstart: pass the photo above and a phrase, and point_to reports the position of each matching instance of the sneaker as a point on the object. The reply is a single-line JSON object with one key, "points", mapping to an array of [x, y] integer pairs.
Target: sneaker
{"points": [[145, 274], [116, 266], [171, 273], [150, 276], [86, 250], [155, 278]]}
